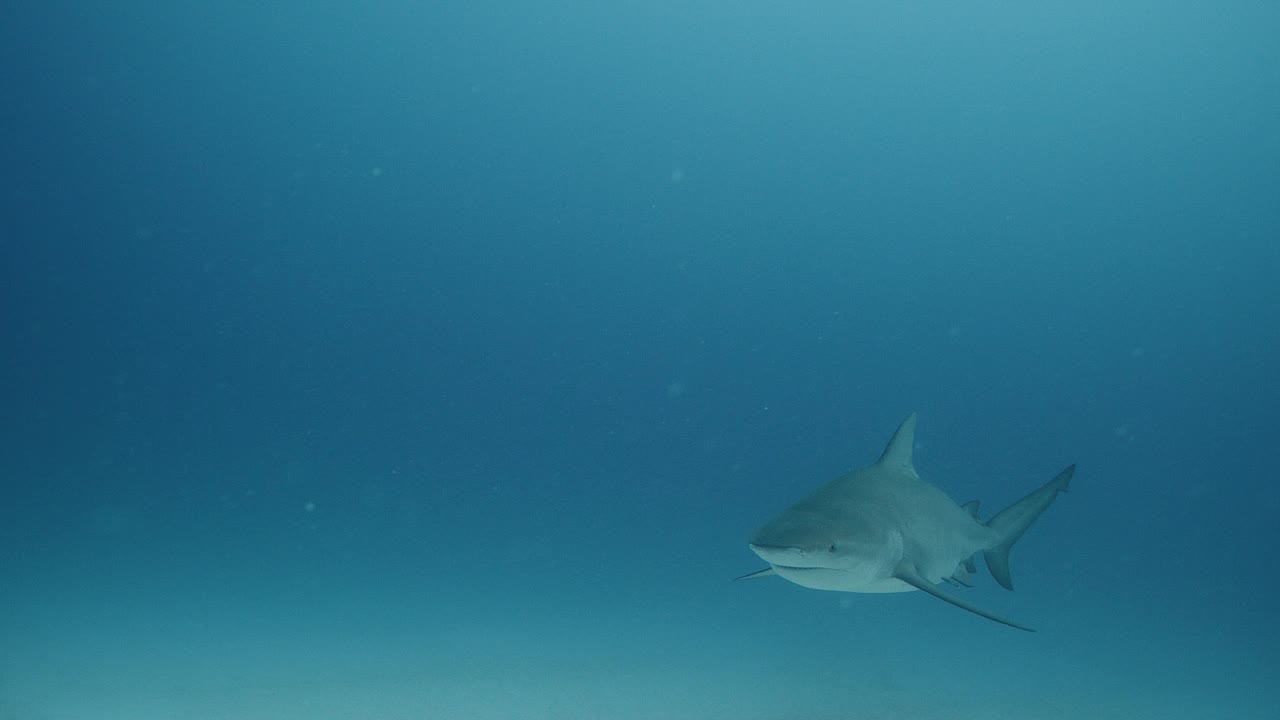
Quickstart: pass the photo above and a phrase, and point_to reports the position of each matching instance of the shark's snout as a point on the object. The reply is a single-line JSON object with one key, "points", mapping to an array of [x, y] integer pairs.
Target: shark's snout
{"points": [[782, 555]]}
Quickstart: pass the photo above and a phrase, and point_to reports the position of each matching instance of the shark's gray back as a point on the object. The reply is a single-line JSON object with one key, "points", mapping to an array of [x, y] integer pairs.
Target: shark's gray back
{"points": [[937, 534]]}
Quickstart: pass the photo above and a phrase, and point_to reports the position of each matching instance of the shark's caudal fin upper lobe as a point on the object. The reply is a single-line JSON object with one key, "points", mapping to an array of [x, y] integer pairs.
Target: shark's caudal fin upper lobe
{"points": [[1014, 520]]}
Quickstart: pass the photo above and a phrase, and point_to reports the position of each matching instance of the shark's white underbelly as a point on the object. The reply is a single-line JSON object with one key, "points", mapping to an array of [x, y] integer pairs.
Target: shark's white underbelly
{"points": [[841, 580]]}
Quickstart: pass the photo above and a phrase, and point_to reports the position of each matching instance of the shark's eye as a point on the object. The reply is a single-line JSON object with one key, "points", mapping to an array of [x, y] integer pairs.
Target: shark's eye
{"points": [[832, 548]]}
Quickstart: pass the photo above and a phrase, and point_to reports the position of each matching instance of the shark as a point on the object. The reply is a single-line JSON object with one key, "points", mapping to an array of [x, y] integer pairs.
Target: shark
{"points": [[882, 529]]}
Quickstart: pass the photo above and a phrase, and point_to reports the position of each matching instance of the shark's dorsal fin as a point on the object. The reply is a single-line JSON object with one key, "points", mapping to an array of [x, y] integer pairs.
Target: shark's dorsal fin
{"points": [[898, 451]]}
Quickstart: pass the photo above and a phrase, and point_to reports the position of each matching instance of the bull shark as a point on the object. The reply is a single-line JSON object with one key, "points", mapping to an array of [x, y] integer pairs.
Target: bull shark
{"points": [[882, 529]]}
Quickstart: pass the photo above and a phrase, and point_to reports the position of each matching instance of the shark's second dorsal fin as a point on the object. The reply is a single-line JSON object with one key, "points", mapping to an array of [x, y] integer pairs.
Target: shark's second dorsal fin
{"points": [[898, 451]]}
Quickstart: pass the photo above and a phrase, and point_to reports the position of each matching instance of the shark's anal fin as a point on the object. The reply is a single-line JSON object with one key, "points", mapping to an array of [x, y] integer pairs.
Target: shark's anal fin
{"points": [[908, 575], [757, 574]]}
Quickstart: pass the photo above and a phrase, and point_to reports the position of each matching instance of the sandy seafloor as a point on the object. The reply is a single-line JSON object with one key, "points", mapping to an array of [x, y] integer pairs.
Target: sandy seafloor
{"points": [[119, 643], [552, 672]]}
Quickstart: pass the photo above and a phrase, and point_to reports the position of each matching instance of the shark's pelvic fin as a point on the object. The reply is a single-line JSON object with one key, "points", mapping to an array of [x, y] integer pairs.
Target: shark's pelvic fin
{"points": [[898, 451], [757, 574], [961, 575], [907, 574], [1014, 520]]}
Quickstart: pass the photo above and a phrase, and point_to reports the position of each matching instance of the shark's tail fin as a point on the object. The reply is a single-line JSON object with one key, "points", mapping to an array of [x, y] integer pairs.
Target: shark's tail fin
{"points": [[1014, 520]]}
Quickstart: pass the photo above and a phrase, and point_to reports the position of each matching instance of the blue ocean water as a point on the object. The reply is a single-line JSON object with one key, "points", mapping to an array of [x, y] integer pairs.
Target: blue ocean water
{"points": [[437, 359]]}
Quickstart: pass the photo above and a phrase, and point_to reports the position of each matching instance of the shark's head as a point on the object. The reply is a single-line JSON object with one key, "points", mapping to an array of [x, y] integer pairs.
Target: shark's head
{"points": [[815, 538]]}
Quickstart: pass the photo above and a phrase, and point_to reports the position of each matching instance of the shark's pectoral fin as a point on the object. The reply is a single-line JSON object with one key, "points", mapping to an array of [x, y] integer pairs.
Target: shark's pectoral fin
{"points": [[907, 574], [759, 573]]}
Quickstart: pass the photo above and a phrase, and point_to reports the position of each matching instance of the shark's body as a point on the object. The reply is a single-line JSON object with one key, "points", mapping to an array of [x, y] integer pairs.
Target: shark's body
{"points": [[882, 529]]}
